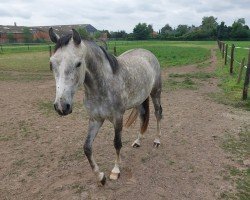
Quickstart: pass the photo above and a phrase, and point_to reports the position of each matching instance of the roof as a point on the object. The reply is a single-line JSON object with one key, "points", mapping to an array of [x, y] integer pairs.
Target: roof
{"points": [[11, 29], [59, 29]]}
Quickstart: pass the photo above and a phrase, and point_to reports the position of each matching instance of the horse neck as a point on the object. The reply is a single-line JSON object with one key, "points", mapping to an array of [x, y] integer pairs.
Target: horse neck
{"points": [[98, 70]]}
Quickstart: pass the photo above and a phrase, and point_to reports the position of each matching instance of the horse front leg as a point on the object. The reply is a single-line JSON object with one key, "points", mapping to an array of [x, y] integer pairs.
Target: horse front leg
{"points": [[93, 129], [115, 173]]}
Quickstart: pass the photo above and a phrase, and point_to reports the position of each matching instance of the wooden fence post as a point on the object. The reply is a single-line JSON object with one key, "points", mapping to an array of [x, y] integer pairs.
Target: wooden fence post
{"points": [[115, 51], [232, 59], [246, 83], [50, 52], [223, 49], [226, 49], [241, 70], [218, 43]]}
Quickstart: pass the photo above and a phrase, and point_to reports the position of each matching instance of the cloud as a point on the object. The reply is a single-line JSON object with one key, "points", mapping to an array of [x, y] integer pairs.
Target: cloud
{"points": [[121, 14]]}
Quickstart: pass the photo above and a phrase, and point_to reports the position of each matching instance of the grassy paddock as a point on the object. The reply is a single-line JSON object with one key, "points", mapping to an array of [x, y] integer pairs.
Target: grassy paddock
{"points": [[20, 48], [231, 90], [169, 53], [239, 53], [34, 65]]}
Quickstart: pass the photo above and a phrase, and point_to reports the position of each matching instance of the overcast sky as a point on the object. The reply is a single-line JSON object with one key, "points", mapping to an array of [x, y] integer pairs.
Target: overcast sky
{"points": [[120, 14]]}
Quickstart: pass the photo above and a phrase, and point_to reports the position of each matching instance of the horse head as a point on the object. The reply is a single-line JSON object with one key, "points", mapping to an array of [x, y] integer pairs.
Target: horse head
{"points": [[68, 66]]}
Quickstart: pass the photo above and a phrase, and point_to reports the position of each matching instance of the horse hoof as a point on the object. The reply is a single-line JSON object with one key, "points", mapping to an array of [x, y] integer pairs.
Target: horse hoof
{"points": [[156, 144], [103, 181], [136, 145], [114, 176]]}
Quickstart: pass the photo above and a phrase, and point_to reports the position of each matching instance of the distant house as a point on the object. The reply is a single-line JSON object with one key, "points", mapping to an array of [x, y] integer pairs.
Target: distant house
{"points": [[15, 33]]}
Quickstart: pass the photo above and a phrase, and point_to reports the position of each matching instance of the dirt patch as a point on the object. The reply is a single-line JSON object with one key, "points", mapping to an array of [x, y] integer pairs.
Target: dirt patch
{"points": [[42, 157]]}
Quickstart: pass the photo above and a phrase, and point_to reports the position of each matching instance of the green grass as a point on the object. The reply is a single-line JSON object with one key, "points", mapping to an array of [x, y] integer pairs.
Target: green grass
{"points": [[197, 75], [31, 66], [17, 48], [171, 84], [239, 53], [231, 90], [34, 65], [25, 62], [169, 53]]}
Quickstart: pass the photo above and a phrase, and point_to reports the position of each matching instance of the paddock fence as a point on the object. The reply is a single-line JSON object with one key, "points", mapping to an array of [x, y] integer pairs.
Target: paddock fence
{"points": [[228, 54], [25, 47]]}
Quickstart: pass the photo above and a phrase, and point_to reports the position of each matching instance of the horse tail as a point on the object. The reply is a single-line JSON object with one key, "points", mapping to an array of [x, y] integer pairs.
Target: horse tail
{"points": [[144, 114], [132, 117]]}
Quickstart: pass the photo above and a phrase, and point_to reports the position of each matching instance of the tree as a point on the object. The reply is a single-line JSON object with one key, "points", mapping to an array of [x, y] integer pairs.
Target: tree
{"points": [[222, 31], [181, 30], [118, 34], [166, 30], [209, 26], [27, 35], [97, 34], [150, 27], [11, 37], [107, 32], [141, 31], [239, 30], [83, 33]]}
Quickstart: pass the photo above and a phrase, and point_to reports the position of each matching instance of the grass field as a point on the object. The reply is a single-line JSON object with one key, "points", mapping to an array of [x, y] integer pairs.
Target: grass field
{"points": [[239, 53], [17, 48], [232, 91], [169, 53], [33, 64]]}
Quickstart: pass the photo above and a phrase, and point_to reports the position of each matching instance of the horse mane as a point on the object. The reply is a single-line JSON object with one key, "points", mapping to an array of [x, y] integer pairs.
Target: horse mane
{"points": [[112, 60], [64, 40]]}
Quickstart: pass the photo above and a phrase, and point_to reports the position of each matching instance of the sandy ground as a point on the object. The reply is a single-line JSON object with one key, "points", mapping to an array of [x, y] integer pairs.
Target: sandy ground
{"points": [[41, 153]]}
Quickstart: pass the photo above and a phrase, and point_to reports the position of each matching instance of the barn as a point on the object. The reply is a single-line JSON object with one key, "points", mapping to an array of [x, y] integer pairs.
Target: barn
{"points": [[15, 34]]}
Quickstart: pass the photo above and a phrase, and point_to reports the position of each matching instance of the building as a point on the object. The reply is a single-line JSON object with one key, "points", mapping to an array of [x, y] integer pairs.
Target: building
{"points": [[15, 33]]}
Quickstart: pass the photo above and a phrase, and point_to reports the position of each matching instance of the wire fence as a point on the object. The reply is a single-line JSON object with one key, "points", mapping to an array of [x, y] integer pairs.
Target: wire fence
{"points": [[24, 47], [224, 48]]}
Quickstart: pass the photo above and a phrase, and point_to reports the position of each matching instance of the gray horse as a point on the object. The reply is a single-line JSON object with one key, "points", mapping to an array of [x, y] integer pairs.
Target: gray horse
{"points": [[112, 86]]}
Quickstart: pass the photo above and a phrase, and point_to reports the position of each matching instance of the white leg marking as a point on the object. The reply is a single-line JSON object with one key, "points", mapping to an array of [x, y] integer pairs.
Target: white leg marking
{"points": [[157, 139], [115, 173], [137, 142]]}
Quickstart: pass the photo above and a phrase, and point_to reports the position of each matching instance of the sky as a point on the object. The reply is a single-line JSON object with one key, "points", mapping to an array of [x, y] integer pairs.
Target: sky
{"points": [[114, 15]]}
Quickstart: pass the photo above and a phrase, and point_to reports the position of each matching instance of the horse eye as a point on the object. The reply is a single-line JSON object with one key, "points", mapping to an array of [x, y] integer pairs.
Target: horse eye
{"points": [[78, 64]]}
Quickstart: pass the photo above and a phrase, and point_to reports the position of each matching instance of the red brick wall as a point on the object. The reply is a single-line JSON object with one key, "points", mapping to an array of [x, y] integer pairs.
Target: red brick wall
{"points": [[41, 35]]}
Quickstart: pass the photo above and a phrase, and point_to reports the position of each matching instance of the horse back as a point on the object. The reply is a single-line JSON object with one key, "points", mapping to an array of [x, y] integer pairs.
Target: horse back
{"points": [[141, 74]]}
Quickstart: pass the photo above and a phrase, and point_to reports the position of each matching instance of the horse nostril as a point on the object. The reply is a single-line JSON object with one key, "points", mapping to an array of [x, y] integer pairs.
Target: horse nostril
{"points": [[67, 106]]}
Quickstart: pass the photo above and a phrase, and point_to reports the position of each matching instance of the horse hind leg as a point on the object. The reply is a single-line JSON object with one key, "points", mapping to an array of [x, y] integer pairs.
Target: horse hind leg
{"points": [[144, 118], [156, 98]]}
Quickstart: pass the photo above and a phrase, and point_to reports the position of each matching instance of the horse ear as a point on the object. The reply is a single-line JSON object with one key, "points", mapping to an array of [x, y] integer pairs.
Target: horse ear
{"points": [[76, 37], [53, 36]]}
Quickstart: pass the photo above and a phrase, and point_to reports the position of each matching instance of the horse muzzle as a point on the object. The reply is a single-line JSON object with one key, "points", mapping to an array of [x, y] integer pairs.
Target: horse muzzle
{"points": [[63, 108]]}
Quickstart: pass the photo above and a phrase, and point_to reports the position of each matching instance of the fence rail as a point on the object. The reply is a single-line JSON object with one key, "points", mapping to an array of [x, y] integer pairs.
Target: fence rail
{"points": [[224, 51]]}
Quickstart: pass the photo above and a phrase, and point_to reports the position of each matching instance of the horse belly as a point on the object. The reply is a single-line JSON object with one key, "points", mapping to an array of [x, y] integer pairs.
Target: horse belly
{"points": [[139, 90]]}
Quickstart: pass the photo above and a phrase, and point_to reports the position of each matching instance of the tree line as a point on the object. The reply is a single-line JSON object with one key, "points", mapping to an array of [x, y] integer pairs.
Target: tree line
{"points": [[209, 29]]}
